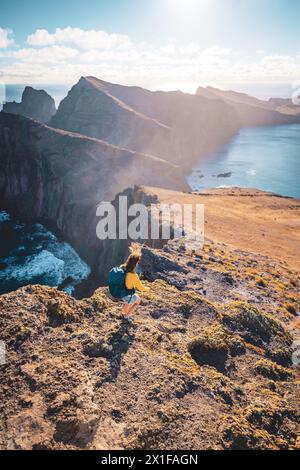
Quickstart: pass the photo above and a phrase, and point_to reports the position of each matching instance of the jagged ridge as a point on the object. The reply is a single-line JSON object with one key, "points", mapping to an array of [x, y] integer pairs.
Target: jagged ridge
{"points": [[174, 125]]}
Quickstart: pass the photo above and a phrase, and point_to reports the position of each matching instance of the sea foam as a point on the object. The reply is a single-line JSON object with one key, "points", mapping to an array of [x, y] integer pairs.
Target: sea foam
{"points": [[34, 255]]}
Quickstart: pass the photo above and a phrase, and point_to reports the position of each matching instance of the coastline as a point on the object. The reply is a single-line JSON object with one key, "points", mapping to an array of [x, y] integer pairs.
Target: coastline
{"points": [[265, 158]]}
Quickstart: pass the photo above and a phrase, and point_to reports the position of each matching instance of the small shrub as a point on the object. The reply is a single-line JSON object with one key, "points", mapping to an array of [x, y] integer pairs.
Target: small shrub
{"points": [[99, 300]]}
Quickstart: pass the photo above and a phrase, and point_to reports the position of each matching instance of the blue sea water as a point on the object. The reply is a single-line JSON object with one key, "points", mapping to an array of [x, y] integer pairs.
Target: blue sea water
{"points": [[31, 254], [266, 158]]}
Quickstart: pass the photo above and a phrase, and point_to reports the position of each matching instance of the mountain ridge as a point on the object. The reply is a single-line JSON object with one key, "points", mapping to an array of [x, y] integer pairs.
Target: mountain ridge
{"points": [[185, 126], [91, 111], [252, 111]]}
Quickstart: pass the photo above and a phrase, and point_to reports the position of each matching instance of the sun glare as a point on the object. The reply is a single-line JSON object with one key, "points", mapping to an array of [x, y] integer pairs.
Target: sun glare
{"points": [[188, 6], [188, 14]]}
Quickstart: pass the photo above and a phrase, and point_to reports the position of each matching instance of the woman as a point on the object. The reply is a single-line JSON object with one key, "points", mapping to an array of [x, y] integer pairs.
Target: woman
{"points": [[124, 281]]}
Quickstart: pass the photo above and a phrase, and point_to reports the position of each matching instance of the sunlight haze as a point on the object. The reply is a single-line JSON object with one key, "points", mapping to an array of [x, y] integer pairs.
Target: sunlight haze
{"points": [[157, 44]]}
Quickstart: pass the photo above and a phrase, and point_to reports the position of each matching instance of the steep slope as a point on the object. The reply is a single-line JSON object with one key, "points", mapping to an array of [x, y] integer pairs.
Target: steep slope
{"points": [[252, 111], [60, 177], [285, 105], [177, 126], [191, 371], [90, 110], [35, 104]]}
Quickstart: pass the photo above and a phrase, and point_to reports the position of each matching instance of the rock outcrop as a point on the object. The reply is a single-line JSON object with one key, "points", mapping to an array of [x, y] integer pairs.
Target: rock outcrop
{"points": [[35, 104], [59, 178], [173, 125], [194, 370], [206, 362], [251, 111], [285, 105]]}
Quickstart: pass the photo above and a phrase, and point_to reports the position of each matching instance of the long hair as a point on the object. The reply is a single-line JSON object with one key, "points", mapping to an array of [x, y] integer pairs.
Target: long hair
{"points": [[133, 259]]}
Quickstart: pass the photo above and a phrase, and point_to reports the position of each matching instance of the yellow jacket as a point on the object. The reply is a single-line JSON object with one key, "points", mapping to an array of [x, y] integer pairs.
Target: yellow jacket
{"points": [[132, 281]]}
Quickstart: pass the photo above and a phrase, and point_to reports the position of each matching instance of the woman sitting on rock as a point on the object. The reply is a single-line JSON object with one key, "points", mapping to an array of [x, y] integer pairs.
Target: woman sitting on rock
{"points": [[123, 281]]}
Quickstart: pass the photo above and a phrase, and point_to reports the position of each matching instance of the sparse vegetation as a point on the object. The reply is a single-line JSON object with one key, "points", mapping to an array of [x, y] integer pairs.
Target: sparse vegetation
{"points": [[214, 345], [256, 326], [271, 370], [241, 435], [186, 358], [259, 427], [60, 311], [259, 329]]}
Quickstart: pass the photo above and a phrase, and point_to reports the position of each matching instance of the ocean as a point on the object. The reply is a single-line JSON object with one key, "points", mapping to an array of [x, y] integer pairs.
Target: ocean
{"points": [[266, 158], [31, 254]]}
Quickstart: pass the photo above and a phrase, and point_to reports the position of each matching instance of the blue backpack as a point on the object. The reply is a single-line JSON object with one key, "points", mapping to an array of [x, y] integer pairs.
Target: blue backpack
{"points": [[116, 283]]}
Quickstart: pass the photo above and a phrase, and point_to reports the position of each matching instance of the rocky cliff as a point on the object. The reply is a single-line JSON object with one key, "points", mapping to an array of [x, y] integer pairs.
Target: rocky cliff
{"points": [[285, 105], [35, 104], [60, 177], [91, 111], [251, 111], [174, 125], [205, 364]]}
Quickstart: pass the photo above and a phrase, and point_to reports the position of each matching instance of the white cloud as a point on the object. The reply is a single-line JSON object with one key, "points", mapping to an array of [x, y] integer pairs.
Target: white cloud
{"points": [[45, 55], [90, 39], [41, 37], [66, 54], [5, 38]]}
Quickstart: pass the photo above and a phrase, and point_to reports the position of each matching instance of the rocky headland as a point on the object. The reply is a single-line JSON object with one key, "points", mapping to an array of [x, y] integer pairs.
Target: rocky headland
{"points": [[207, 361], [173, 125], [205, 364], [35, 104], [251, 111]]}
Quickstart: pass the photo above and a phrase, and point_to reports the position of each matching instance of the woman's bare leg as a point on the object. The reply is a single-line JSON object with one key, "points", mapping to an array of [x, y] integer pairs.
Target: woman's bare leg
{"points": [[129, 309], [126, 309], [134, 306]]}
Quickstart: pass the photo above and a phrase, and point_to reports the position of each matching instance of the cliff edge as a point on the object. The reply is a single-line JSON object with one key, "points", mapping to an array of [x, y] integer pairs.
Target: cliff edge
{"points": [[196, 369]]}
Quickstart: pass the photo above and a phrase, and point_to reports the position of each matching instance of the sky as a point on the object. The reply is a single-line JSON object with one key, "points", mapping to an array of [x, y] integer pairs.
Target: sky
{"points": [[247, 45]]}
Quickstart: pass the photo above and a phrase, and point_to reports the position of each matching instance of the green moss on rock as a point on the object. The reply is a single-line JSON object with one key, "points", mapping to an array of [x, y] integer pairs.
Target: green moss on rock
{"points": [[60, 311], [259, 329], [271, 370], [261, 427], [213, 346]]}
